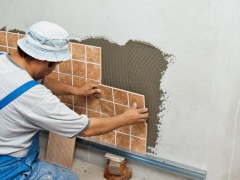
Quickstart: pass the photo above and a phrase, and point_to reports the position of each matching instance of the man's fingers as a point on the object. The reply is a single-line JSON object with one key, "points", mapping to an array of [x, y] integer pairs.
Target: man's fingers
{"points": [[144, 116], [143, 110]]}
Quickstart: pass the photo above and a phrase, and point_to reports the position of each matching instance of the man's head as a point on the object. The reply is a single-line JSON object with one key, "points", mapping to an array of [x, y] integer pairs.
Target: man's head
{"points": [[47, 43]]}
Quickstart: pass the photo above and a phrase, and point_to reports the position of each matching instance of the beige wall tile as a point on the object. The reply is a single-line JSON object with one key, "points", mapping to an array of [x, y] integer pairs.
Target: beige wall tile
{"points": [[139, 130], [80, 110], [93, 103], [79, 68], [120, 96], [12, 39], [93, 54], [53, 75], [106, 92], [12, 50], [138, 144], [93, 71], [65, 78], [78, 51], [3, 49], [107, 107], [3, 40], [108, 138], [66, 67], [123, 140]]}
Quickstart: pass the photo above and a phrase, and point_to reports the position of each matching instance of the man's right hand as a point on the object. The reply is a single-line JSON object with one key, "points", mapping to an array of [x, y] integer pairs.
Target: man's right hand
{"points": [[134, 115]]}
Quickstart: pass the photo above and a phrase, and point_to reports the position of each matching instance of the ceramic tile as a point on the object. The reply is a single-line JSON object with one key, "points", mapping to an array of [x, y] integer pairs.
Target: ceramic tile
{"points": [[69, 106], [138, 144], [107, 107], [3, 40], [79, 81], [12, 39], [139, 130], [70, 47], [80, 110], [93, 103], [124, 129], [93, 54], [123, 140], [56, 68], [120, 96], [108, 138], [93, 71], [3, 49], [66, 67], [97, 138], [93, 114], [79, 68], [136, 98], [60, 150], [106, 92], [93, 81], [65, 78], [53, 75], [120, 108], [12, 50], [78, 51], [80, 101]]}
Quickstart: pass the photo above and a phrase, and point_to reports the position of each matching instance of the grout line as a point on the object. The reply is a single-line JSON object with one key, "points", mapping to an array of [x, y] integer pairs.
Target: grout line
{"points": [[113, 101], [130, 128], [7, 40]]}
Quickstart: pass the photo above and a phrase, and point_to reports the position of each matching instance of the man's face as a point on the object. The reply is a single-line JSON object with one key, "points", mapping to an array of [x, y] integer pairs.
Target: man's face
{"points": [[44, 69]]}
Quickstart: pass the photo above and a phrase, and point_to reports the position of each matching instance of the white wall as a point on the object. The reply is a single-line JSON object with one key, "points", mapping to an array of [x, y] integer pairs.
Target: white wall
{"points": [[201, 122]]}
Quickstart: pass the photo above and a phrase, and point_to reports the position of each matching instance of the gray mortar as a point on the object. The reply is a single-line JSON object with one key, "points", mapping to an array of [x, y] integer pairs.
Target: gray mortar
{"points": [[16, 31], [137, 67], [3, 28]]}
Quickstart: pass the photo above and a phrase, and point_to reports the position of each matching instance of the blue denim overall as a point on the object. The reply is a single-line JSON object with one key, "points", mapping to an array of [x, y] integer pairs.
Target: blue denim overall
{"points": [[29, 167]]}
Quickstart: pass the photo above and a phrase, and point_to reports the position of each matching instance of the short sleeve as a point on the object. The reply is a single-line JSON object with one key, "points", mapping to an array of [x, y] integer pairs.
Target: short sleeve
{"points": [[52, 115]]}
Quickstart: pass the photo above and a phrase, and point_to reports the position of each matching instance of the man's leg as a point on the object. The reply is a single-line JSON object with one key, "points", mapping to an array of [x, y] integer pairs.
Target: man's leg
{"points": [[44, 170]]}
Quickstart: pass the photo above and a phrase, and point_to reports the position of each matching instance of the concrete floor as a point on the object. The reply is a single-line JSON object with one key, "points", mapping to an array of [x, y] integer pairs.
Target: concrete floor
{"points": [[87, 171], [84, 170]]}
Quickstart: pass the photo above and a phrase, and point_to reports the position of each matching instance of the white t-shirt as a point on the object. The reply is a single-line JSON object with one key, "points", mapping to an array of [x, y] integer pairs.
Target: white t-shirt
{"points": [[36, 109]]}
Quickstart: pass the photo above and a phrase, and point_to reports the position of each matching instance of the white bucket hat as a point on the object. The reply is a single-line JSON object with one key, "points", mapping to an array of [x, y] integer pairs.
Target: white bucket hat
{"points": [[46, 41]]}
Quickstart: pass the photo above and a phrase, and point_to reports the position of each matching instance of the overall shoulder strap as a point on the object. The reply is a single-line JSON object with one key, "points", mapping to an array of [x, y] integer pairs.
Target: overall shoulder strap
{"points": [[17, 92]]}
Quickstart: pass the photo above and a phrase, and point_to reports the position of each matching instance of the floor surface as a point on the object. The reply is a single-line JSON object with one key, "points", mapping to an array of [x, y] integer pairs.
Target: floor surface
{"points": [[84, 170]]}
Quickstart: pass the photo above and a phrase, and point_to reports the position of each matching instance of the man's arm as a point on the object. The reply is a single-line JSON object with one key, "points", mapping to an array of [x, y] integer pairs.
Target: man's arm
{"points": [[59, 88], [104, 125]]}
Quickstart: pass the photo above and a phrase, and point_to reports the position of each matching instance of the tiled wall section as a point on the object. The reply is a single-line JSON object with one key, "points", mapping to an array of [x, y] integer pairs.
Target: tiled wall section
{"points": [[85, 65]]}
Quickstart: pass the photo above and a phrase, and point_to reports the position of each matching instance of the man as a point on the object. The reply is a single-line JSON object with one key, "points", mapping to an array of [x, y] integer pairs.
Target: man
{"points": [[23, 114]]}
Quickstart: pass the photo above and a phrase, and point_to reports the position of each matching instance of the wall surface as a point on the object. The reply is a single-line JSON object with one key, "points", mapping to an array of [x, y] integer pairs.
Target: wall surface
{"points": [[200, 123]]}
